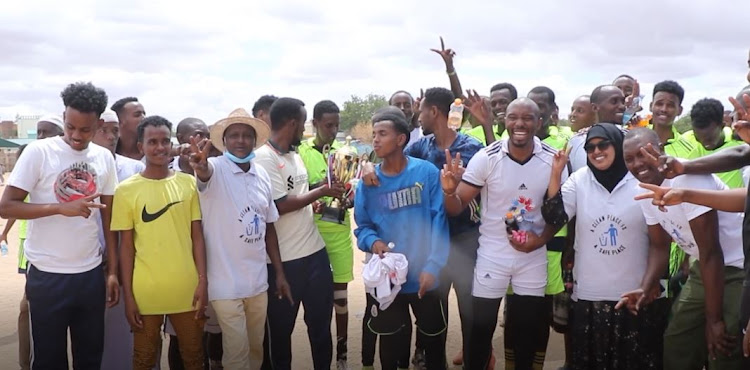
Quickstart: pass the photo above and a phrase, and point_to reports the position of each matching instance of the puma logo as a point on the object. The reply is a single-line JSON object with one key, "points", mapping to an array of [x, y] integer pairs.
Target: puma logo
{"points": [[148, 217]]}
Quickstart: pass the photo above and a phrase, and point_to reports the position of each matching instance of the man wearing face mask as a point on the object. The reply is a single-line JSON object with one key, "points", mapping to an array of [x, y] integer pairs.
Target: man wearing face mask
{"points": [[303, 254], [237, 265]]}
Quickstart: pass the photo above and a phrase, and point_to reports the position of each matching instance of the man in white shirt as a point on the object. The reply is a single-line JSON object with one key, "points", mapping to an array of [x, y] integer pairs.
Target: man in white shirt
{"points": [[708, 306], [130, 113], [512, 176], [70, 183], [237, 265], [303, 254], [608, 105]]}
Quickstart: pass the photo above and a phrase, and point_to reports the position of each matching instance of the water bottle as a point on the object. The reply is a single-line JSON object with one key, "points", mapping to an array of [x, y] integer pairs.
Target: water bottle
{"points": [[631, 110], [3, 248], [456, 115], [511, 223]]}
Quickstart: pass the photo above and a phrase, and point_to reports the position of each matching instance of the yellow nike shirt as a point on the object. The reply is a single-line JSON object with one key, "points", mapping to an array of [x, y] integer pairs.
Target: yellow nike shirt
{"points": [[160, 212]]}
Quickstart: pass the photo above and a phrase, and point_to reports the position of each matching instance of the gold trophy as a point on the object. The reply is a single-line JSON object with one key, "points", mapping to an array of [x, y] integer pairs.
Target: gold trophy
{"points": [[344, 166]]}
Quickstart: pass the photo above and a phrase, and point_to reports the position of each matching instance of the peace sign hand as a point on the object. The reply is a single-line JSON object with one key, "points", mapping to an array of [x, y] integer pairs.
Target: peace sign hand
{"points": [[668, 166], [446, 54], [199, 149], [630, 100], [453, 171], [661, 196], [417, 106], [475, 104], [560, 161], [741, 125]]}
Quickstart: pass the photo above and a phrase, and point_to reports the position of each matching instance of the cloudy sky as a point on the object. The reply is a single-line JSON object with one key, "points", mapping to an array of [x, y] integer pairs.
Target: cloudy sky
{"points": [[205, 58]]}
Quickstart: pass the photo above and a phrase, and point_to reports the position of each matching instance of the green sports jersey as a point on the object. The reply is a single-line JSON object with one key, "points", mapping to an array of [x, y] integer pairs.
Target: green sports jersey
{"points": [[478, 133], [679, 146], [336, 236], [732, 179]]}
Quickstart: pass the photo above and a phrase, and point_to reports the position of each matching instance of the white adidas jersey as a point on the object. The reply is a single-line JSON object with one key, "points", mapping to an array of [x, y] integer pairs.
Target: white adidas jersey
{"points": [[509, 187]]}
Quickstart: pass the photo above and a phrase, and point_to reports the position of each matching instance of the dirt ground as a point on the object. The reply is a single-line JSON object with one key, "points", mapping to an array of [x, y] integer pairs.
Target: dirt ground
{"points": [[12, 285]]}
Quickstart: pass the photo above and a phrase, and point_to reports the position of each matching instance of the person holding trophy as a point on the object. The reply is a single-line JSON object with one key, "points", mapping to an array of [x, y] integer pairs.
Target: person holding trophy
{"points": [[333, 224]]}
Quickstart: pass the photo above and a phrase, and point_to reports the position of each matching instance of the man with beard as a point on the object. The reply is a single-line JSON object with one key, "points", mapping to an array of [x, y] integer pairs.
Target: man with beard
{"points": [[303, 254]]}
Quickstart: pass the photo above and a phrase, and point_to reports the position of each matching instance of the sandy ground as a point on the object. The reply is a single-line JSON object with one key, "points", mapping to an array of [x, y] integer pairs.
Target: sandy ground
{"points": [[12, 285]]}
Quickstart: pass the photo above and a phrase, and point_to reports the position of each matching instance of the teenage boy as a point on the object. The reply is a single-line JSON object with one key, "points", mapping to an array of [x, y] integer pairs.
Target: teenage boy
{"points": [[163, 258], [70, 184], [407, 211]]}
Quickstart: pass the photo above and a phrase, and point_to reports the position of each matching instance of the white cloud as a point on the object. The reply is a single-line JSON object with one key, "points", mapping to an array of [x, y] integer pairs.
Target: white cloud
{"points": [[203, 59]]}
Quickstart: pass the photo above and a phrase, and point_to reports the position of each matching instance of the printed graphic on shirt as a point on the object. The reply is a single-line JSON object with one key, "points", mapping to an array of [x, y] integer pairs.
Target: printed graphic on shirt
{"points": [[675, 231], [402, 198], [252, 221], [148, 217], [293, 181], [521, 206], [76, 182], [607, 230]]}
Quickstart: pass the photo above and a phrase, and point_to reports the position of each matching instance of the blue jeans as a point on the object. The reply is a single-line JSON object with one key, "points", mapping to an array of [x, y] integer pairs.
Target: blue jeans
{"points": [[311, 282]]}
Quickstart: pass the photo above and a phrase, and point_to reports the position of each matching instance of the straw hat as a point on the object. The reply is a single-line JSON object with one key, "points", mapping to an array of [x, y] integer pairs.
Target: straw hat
{"points": [[239, 115]]}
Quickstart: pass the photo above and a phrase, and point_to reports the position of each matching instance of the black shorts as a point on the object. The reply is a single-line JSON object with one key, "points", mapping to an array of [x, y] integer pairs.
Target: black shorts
{"points": [[428, 311]]}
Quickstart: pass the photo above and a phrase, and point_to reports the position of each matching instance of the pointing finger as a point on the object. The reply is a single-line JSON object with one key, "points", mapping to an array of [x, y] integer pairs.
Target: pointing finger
{"points": [[442, 44]]}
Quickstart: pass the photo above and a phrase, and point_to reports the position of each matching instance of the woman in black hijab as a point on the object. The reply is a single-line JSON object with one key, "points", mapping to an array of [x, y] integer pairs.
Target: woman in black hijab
{"points": [[611, 252]]}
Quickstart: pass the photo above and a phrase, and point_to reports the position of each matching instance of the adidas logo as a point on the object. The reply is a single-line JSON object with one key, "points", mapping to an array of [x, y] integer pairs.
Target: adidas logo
{"points": [[523, 187]]}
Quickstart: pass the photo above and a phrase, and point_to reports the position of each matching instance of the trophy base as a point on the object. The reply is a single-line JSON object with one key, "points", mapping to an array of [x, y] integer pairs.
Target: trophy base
{"points": [[333, 215]]}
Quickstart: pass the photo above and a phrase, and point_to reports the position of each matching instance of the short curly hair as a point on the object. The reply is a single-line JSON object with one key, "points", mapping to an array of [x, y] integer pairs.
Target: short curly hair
{"points": [[85, 97], [154, 121], [707, 111]]}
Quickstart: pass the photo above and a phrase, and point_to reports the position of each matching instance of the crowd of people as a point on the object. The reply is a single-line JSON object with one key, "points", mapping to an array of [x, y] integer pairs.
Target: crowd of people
{"points": [[613, 231]]}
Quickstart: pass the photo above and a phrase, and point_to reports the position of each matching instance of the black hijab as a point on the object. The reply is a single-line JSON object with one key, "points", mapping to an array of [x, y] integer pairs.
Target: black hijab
{"points": [[610, 177]]}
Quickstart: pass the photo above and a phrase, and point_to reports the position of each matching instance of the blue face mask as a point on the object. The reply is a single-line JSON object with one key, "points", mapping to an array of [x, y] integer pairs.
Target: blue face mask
{"points": [[237, 160]]}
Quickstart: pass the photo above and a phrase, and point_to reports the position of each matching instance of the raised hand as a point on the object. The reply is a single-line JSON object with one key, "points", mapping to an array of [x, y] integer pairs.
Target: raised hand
{"points": [[446, 54], [741, 125], [630, 100], [668, 166], [452, 172], [199, 150], [476, 106], [661, 196], [80, 207], [560, 161], [417, 106]]}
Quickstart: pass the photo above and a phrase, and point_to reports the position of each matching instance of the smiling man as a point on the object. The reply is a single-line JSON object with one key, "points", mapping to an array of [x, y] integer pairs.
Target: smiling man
{"points": [[514, 174], [70, 184], [666, 105]]}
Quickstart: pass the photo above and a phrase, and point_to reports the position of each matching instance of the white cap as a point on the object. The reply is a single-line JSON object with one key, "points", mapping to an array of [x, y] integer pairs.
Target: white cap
{"points": [[109, 116], [53, 119]]}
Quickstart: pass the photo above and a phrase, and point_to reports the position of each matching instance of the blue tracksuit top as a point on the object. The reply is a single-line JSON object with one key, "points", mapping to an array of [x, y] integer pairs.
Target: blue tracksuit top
{"points": [[406, 209]]}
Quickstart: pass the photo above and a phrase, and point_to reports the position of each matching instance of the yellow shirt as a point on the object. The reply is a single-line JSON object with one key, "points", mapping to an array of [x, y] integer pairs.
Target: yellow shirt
{"points": [[160, 212]]}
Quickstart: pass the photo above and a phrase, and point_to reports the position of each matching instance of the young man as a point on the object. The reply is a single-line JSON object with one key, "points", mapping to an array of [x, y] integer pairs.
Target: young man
{"points": [[501, 261], [337, 237], [729, 201], [47, 126], [501, 95], [544, 98], [130, 112], [237, 265], [406, 210], [403, 100], [262, 108], [158, 215], [464, 228], [581, 117], [666, 105], [303, 254], [70, 184], [710, 135], [708, 307], [118, 339], [608, 105], [187, 128]]}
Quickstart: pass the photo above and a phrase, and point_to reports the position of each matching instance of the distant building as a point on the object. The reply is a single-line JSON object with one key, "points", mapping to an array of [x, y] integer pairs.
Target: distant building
{"points": [[27, 126], [8, 130]]}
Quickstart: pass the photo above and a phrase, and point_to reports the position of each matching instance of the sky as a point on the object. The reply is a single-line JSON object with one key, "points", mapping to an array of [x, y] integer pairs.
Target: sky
{"points": [[205, 58]]}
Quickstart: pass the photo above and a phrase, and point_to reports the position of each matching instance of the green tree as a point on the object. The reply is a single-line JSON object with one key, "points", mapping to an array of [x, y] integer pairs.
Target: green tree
{"points": [[357, 110], [683, 124]]}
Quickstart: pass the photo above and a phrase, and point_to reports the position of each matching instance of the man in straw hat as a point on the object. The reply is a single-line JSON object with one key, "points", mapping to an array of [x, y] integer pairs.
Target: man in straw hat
{"points": [[237, 251], [303, 254]]}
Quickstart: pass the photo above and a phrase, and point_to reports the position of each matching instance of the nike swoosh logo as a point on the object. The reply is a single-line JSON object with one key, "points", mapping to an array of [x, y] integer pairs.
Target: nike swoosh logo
{"points": [[148, 217]]}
